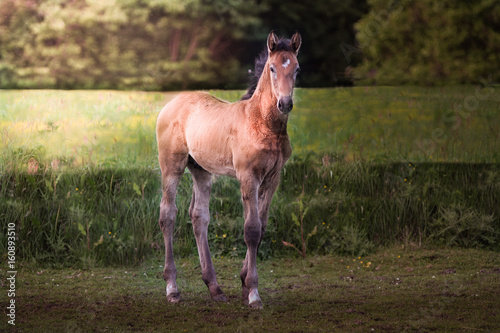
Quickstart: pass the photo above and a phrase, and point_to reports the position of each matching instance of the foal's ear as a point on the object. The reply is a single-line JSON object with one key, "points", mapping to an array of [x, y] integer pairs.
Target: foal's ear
{"points": [[295, 42], [272, 41]]}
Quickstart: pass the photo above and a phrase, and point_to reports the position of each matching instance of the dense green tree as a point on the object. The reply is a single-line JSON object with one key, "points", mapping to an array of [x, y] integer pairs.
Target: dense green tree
{"points": [[141, 44], [429, 42], [191, 41], [16, 16], [77, 43]]}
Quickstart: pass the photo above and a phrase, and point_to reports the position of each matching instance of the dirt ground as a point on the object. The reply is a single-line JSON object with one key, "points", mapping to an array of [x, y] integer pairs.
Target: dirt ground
{"points": [[392, 290]]}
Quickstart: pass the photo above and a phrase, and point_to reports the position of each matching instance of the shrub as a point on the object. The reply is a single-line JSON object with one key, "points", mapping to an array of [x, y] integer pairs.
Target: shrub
{"points": [[351, 240], [464, 227]]}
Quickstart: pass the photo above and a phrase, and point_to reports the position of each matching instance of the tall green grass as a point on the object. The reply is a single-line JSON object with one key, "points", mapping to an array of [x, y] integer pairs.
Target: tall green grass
{"points": [[372, 166], [109, 216]]}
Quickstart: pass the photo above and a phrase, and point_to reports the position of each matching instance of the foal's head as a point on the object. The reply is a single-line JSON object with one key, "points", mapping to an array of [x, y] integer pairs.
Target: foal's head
{"points": [[283, 68]]}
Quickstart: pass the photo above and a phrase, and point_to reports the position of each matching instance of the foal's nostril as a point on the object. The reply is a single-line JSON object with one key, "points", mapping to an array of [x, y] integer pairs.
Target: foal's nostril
{"points": [[280, 105]]}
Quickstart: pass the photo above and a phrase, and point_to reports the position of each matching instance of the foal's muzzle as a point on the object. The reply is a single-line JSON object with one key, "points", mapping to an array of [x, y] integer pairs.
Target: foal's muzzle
{"points": [[285, 104]]}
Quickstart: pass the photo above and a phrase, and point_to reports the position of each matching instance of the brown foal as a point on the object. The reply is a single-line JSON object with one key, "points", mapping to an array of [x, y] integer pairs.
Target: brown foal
{"points": [[247, 140]]}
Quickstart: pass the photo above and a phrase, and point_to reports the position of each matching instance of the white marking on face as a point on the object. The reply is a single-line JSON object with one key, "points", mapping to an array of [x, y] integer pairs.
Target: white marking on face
{"points": [[286, 63]]}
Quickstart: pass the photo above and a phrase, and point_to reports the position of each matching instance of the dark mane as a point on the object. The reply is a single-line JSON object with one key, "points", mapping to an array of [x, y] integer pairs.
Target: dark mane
{"points": [[283, 45]]}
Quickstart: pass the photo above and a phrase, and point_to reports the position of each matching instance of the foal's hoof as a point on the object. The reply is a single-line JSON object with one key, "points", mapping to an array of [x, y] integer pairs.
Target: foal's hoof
{"points": [[219, 298], [254, 300], [174, 298], [217, 294], [256, 305]]}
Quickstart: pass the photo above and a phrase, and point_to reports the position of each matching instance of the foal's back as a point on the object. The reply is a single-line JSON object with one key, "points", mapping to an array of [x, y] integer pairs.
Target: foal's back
{"points": [[202, 126]]}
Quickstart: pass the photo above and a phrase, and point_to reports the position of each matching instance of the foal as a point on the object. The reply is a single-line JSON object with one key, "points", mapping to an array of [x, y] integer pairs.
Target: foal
{"points": [[247, 140]]}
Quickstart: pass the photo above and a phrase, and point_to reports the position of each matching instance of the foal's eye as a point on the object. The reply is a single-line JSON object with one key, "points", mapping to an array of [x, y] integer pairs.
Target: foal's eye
{"points": [[273, 70], [297, 70]]}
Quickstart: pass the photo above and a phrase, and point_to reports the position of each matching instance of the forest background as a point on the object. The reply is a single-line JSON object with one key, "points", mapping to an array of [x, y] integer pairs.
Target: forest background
{"points": [[201, 44]]}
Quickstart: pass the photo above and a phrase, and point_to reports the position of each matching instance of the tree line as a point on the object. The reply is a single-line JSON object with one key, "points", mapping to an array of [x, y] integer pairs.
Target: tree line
{"points": [[191, 44]]}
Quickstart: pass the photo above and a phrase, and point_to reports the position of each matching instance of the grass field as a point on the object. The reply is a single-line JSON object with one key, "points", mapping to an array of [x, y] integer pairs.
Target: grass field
{"points": [[378, 124], [395, 190], [391, 290], [376, 165], [79, 128]]}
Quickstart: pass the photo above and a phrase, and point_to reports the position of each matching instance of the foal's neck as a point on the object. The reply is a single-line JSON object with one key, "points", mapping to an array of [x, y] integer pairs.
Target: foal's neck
{"points": [[265, 105]]}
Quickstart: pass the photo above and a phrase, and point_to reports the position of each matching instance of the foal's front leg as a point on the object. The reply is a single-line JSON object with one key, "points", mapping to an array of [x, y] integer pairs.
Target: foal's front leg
{"points": [[253, 233], [265, 195]]}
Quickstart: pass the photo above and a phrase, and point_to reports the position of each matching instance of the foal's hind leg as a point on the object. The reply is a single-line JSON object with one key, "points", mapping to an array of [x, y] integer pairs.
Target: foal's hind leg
{"points": [[171, 174], [200, 215]]}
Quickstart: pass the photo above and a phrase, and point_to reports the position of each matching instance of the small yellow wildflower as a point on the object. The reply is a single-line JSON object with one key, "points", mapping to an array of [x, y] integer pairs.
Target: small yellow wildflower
{"points": [[109, 232], [77, 188], [224, 236]]}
